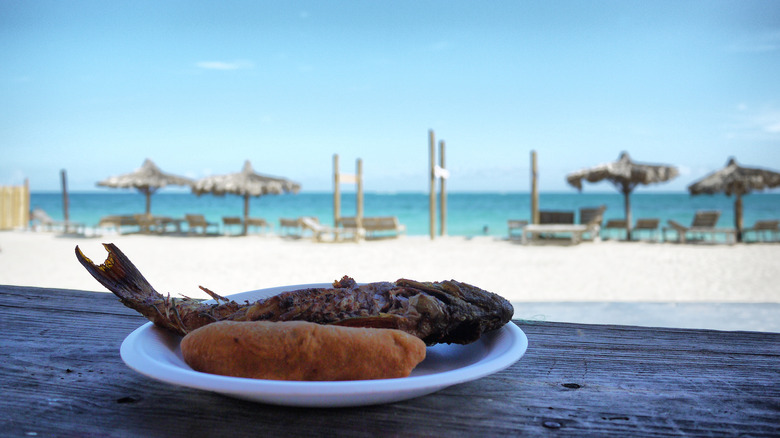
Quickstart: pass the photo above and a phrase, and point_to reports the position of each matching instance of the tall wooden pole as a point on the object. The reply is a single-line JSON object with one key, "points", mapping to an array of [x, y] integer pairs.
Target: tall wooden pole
{"points": [[65, 201], [442, 194], [245, 227], [627, 202], [432, 197], [26, 203], [336, 191], [738, 216], [359, 182], [534, 190]]}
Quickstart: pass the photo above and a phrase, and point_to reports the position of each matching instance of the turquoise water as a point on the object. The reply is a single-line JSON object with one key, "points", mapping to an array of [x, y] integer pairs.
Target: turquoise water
{"points": [[468, 214]]}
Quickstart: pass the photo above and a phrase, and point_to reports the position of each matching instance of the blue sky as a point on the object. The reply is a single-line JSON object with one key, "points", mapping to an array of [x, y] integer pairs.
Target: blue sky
{"points": [[96, 87]]}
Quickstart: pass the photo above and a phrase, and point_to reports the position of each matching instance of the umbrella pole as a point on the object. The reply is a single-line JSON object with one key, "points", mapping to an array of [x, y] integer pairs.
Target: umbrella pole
{"points": [[627, 202], [246, 212], [148, 194], [738, 216]]}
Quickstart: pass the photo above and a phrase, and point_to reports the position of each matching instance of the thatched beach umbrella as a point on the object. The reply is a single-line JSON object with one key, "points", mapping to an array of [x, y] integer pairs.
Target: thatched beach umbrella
{"points": [[246, 183], [736, 180], [625, 175], [147, 179]]}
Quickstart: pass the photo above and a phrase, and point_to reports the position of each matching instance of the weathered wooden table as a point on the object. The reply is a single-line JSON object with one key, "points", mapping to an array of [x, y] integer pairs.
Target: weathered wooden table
{"points": [[62, 375]]}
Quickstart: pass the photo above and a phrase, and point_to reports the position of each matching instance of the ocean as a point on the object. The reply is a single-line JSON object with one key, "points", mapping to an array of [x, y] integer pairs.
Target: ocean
{"points": [[468, 214]]}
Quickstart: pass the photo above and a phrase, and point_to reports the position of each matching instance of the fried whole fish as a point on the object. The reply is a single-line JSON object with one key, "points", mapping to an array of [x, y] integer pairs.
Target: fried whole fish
{"points": [[437, 312]]}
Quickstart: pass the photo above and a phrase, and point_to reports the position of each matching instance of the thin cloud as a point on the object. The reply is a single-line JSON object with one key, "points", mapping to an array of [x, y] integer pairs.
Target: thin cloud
{"points": [[773, 125], [439, 46], [767, 120], [222, 65], [752, 122], [768, 42]]}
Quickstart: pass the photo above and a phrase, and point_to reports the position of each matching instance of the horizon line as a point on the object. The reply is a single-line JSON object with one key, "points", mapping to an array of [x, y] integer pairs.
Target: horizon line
{"points": [[131, 191]]}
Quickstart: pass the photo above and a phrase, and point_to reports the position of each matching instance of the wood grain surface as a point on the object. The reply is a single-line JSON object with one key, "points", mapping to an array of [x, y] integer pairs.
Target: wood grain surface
{"points": [[62, 375]]}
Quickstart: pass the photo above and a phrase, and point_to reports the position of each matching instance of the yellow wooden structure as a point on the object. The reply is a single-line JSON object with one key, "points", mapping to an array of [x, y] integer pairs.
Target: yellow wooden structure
{"points": [[15, 206]]}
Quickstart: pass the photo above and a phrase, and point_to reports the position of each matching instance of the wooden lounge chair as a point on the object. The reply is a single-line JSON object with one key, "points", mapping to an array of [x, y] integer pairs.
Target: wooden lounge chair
{"points": [[195, 221], [229, 222], [383, 226], [375, 227], [258, 223], [292, 227], [320, 232], [703, 225], [618, 225], [514, 225], [763, 229], [162, 223], [348, 222], [117, 222], [592, 217], [41, 219], [649, 226], [146, 223], [552, 223], [556, 217]]}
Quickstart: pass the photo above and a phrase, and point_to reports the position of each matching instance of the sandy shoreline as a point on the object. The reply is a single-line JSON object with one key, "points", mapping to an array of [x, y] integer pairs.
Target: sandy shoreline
{"points": [[609, 271]]}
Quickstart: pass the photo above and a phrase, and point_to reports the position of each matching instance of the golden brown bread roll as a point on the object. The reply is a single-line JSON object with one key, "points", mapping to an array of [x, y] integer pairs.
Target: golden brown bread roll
{"points": [[298, 350]]}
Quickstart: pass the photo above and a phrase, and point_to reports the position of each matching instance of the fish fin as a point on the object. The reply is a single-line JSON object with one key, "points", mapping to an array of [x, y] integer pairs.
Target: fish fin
{"points": [[217, 297], [118, 274], [383, 320]]}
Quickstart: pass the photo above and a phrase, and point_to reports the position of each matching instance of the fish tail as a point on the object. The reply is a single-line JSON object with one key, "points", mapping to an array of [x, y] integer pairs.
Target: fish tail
{"points": [[120, 276]]}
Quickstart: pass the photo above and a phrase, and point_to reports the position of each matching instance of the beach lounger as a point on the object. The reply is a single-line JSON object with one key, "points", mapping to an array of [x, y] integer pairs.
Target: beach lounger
{"points": [[146, 223], [618, 225], [649, 226], [322, 233], [703, 226], [41, 219], [292, 227], [764, 230], [117, 222], [162, 223], [228, 222], [195, 221], [375, 227], [514, 225], [555, 217], [347, 222], [258, 222], [554, 223], [592, 217]]}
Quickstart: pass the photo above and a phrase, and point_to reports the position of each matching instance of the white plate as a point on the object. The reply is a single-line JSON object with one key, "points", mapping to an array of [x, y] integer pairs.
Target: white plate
{"points": [[155, 353]]}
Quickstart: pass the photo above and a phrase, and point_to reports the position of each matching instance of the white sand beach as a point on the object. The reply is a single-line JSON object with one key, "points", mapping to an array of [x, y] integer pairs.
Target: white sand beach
{"points": [[691, 285]]}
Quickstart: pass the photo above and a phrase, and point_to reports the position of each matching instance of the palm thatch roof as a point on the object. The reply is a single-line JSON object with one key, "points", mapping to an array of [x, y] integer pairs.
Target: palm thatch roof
{"points": [[736, 180], [246, 183], [147, 179], [625, 175]]}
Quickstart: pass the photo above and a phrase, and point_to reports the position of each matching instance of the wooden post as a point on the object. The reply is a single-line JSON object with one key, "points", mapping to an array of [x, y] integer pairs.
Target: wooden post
{"points": [[738, 216], [246, 216], [338, 179], [432, 196], [336, 191], [627, 201], [26, 203], [534, 190], [65, 202], [442, 194], [359, 183]]}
